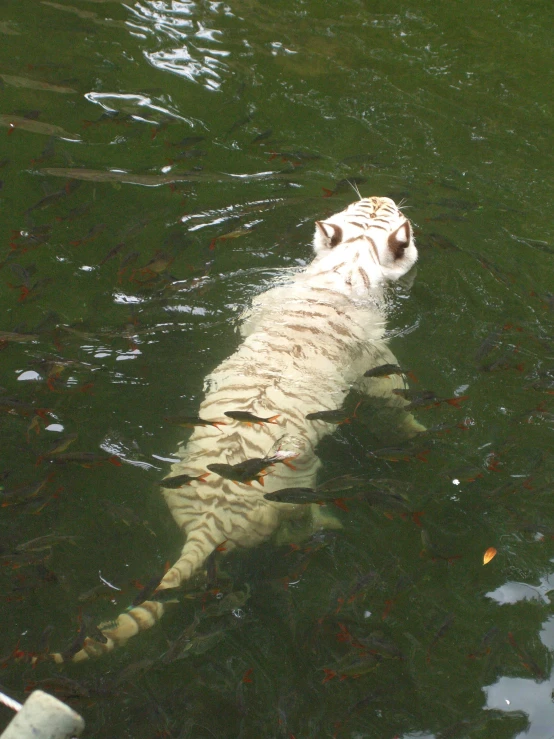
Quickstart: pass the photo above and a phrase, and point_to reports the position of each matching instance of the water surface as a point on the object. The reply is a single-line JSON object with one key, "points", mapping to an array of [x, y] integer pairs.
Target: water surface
{"points": [[163, 162]]}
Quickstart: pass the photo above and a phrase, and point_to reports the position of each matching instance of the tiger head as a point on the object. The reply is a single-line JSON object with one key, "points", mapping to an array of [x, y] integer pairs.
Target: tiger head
{"points": [[372, 232]]}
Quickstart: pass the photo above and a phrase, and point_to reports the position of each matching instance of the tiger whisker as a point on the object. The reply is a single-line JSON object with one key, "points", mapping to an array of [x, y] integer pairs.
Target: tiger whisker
{"points": [[355, 188]]}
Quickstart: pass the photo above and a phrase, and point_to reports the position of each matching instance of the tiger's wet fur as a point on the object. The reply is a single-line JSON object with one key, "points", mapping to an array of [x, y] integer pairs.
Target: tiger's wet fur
{"points": [[306, 345]]}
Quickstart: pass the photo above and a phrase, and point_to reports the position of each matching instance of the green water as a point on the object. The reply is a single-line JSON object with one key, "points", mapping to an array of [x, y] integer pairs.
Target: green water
{"points": [[441, 104]]}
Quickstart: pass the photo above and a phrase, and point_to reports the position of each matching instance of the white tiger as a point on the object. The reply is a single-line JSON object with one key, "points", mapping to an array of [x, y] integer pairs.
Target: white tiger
{"points": [[306, 345]]}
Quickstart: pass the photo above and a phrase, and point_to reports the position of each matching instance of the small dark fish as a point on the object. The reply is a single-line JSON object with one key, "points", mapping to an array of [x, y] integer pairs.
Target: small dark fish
{"points": [[457, 204], [377, 643], [239, 124], [385, 499], [91, 234], [92, 631], [245, 472], [190, 154], [43, 643], [342, 483], [63, 687], [77, 644], [18, 408], [148, 590], [112, 253], [294, 495], [30, 237], [446, 624], [345, 185], [441, 242], [22, 273], [249, 418], [398, 454], [127, 261], [44, 542], [16, 337], [98, 592], [179, 480], [47, 200], [85, 458], [158, 264], [526, 659], [262, 136], [60, 445], [416, 395], [384, 370], [296, 156], [17, 496], [189, 141], [191, 421], [77, 212], [338, 416]]}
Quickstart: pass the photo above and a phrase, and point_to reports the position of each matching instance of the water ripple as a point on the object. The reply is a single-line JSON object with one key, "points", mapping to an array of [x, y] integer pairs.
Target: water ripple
{"points": [[177, 22]]}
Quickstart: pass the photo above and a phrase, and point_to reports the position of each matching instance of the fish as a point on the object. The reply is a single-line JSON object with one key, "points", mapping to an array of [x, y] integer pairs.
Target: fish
{"points": [[237, 233], [294, 495], [17, 337], [77, 212], [60, 445], [415, 396], [31, 84], [18, 408], [127, 261], [194, 645], [385, 370], [345, 185], [85, 458], [148, 590], [338, 416], [441, 242], [96, 593], [343, 483], [191, 421], [155, 266], [17, 496], [47, 200], [443, 628], [113, 252], [303, 496], [30, 237], [245, 472], [188, 141], [249, 418], [44, 542], [77, 644], [353, 666], [86, 14], [262, 136], [34, 290], [398, 454], [239, 124], [92, 233], [178, 481], [151, 180], [25, 124]]}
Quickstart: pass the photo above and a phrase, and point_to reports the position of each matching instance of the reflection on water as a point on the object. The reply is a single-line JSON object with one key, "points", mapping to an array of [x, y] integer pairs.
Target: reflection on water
{"points": [[530, 697], [198, 56]]}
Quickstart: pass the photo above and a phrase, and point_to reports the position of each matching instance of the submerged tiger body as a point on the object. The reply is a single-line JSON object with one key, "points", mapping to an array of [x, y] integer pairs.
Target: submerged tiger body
{"points": [[306, 345]]}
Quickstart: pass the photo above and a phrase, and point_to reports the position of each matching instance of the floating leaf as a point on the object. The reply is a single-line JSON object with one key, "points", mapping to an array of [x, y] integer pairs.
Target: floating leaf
{"points": [[489, 554]]}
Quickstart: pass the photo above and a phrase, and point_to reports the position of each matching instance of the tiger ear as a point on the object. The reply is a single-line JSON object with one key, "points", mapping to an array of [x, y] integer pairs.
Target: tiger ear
{"points": [[400, 240], [330, 233]]}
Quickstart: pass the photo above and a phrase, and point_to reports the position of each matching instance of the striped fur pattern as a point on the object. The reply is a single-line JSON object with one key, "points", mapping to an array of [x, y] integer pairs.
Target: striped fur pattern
{"points": [[305, 345]]}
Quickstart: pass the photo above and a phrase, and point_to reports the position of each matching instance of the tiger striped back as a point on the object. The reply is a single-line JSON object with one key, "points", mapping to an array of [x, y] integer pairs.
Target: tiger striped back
{"points": [[306, 344]]}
